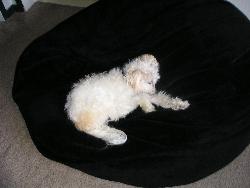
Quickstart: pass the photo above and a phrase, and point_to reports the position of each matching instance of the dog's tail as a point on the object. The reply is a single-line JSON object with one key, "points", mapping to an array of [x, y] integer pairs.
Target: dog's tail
{"points": [[92, 124]]}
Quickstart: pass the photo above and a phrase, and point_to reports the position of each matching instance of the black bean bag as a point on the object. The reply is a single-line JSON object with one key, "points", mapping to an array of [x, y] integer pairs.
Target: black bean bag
{"points": [[203, 50]]}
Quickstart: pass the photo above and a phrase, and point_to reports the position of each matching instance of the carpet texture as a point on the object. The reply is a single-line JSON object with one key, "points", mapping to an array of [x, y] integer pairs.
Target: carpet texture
{"points": [[21, 164]]}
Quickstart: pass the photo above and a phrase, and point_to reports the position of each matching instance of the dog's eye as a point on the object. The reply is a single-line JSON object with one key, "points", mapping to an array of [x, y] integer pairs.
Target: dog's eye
{"points": [[150, 83]]}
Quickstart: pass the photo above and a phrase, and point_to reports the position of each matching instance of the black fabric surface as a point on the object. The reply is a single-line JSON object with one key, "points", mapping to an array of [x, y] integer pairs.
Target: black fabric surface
{"points": [[203, 50]]}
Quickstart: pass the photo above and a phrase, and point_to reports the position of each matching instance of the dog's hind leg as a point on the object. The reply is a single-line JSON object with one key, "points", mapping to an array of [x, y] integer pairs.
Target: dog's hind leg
{"points": [[93, 124], [110, 135]]}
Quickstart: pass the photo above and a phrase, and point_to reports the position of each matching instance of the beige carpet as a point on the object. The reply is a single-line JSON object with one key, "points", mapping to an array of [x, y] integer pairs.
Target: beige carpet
{"points": [[21, 165], [78, 3]]}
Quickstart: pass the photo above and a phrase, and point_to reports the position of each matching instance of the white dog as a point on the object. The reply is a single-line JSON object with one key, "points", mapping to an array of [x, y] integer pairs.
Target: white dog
{"points": [[109, 96]]}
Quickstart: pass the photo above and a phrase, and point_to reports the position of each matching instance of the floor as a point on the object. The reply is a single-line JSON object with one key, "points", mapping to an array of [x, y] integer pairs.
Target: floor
{"points": [[79, 3]]}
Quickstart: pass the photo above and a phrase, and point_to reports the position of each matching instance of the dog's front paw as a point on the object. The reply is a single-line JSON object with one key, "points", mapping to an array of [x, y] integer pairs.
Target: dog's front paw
{"points": [[116, 137], [178, 104], [148, 108], [146, 105]]}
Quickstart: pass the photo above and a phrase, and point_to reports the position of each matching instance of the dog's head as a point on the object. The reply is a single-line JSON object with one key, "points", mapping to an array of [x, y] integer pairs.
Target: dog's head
{"points": [[142, 73]]}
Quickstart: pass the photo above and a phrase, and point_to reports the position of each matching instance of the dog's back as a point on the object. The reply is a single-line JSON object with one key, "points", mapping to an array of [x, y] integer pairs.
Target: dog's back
{"points": [[105, 93]]}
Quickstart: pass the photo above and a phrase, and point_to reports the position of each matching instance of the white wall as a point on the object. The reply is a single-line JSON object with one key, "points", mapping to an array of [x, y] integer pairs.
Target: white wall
{"points": [[1, 17], [28, 3], [7, 3], [243, 5]]}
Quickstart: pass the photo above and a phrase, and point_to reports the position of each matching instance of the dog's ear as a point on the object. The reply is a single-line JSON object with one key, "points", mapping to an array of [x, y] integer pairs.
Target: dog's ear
{"points": [[134, 78], [150, 59]]}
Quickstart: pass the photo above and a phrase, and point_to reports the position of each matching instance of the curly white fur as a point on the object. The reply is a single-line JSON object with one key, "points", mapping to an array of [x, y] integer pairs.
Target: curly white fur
{"points": [[109, 96]]}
